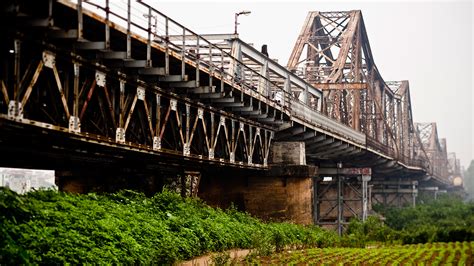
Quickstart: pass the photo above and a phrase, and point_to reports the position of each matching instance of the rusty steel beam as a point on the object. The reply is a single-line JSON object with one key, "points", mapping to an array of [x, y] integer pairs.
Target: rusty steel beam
{"points": [[339, 61], [340, 86]]}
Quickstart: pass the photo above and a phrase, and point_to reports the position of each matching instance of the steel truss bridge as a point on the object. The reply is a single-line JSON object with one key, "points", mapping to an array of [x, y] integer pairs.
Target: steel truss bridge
{"points": [[119, 82]]}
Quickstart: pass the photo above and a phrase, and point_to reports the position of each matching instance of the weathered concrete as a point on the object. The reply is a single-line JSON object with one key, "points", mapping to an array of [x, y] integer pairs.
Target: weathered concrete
{"points": [[283, 193], [270, 198], [288, 153]]}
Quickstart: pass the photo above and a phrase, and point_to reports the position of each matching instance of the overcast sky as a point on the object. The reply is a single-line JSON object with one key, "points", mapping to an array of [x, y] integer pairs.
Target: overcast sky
{"points": [[427, 43]]}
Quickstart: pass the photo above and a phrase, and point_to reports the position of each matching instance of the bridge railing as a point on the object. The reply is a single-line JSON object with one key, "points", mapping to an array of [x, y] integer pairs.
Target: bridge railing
{"points": [[162, 32], [158, 30], [191, 48], [385, 149]]}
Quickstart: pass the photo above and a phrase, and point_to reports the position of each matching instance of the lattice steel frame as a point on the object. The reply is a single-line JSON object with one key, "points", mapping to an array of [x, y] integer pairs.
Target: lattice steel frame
{"points": [[436, 150], [102, 104], [333, 54]]}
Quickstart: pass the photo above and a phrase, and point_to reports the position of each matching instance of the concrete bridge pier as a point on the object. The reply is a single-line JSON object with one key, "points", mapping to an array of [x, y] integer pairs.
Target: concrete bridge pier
{"points": [[284, 192], [398, 193], [341, 194]]}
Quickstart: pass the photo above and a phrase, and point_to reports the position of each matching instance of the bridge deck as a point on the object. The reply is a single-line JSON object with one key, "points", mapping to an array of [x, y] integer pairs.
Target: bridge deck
{"points": [[148, 83]]}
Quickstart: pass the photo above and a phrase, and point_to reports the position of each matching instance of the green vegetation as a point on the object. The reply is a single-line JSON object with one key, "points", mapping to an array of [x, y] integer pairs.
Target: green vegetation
{"points": [[373, 230], [446, 219], [50, 227], [458, 253], [469, 180]]}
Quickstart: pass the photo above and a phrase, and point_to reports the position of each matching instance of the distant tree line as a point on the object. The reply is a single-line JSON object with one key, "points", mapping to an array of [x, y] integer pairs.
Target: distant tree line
{"points": [[469, 180]]}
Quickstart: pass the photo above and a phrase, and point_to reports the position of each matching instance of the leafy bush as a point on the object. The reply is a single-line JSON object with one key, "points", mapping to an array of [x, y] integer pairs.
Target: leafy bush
{"points": [[359, 233], [50, 227], [443, 220]]}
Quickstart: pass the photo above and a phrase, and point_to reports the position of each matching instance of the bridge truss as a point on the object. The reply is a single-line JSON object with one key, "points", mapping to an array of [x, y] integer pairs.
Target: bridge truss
{"points": [[107, 79], [333, 54]]}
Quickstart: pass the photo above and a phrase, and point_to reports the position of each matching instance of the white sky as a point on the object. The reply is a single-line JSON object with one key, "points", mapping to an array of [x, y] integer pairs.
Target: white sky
{"points": [[428, 43]]}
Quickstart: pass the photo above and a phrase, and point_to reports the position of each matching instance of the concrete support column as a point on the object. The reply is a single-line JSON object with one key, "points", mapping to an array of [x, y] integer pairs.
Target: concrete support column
{"points": [[283, 193], [288, 153]]}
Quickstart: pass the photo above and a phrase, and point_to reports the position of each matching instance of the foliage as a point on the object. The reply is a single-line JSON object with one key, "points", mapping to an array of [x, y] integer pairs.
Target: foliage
{"points": [[469, 180], [50, 227], [443, 220], [221, 258], [359, 234]]}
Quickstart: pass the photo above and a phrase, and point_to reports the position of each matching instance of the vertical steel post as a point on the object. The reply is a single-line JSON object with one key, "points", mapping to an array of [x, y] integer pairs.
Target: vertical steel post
{"points": [[365, 196], [211, 67], [183, 51], [186, 146], [107, 26], [120, 133], [50, 12], [250, 149], [74, 122], [235, 23], [79, 21], [15, 109], [129, 35], [122, 102], [287, 89], [231, 152], [148, 43], [211, 145], [340, 202], [197, 61], [222, 72], [75, 111], [306, 94], [414, 194], [167, 55], [157, 137], [16, 70]]}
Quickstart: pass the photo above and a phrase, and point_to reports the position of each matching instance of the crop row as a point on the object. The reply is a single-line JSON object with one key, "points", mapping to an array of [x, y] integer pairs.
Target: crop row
{"points": [[453, 253]]}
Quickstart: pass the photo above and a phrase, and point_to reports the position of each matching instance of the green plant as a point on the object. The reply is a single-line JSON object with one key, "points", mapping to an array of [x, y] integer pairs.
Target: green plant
{"points": [[51, 227], [221, 258]]}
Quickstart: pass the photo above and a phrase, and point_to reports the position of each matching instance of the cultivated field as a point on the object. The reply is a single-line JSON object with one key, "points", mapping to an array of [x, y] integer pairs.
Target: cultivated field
{"points": [[454, 253]]}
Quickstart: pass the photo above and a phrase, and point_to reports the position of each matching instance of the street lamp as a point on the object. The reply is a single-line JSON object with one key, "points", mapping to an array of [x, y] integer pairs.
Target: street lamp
{"points": [[245, 12]]}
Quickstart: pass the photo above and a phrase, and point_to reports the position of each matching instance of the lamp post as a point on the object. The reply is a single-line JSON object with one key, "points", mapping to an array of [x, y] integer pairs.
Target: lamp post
{"points": [[245, 12]]}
